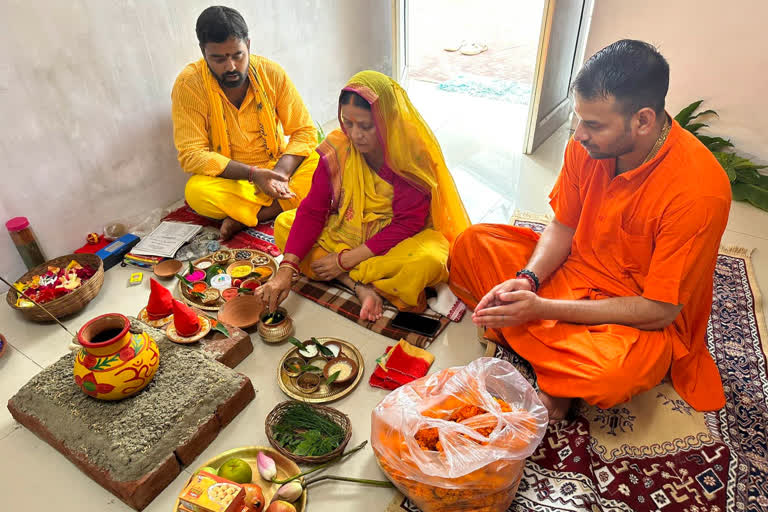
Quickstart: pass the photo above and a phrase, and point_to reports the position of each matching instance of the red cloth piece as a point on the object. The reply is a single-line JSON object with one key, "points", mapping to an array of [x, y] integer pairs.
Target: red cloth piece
{"points": [[407, 364], [93, 248], [160, 303], [185, 320], [402, 368]]}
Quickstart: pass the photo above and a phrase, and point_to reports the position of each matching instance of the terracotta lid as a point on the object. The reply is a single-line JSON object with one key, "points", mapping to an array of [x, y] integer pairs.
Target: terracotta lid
{"points": [[17, 224]]}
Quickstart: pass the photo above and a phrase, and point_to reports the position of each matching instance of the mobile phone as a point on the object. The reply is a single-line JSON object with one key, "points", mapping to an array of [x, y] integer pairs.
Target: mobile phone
{"points": [[416, 323]]}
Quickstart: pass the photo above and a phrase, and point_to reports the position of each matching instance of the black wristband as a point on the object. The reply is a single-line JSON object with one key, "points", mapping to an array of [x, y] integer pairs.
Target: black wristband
{"points": [[530, 274]]}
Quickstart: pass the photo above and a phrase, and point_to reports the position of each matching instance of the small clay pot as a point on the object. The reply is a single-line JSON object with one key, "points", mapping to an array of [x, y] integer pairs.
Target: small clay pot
{"points": [[222, 256], [250, 284], [259, 260], [211, 295], [278, 331], [264, 273], [335, 347], [311, 351], [240, 269], [243, 311], [290, 364], [167, 268], [308, 382], [204, 264], [229, 294], [332, 367], [242, 254]]}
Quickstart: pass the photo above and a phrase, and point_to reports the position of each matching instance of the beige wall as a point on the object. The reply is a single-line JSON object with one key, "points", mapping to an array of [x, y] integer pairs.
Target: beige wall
{"points": [[85, 98], [716, 51]]}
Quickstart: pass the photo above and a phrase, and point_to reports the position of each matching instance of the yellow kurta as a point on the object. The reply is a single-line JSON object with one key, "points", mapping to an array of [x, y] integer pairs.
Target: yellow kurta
{"points": [[252, 135]]}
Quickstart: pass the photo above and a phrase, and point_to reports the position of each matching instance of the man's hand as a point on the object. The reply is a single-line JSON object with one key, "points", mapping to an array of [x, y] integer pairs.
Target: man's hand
{"points": [[272, 183], [492, 298], [512, 308], [326, 267]]}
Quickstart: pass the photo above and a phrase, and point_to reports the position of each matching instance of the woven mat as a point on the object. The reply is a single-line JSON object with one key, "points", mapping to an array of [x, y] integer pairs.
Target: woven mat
{"points": [[342, 301], [655, 452], [261, 237]]}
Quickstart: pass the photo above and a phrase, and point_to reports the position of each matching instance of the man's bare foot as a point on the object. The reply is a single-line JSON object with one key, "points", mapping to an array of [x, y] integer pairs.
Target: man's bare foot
{"points": [[373, 305], [230, 227], [557, 406]]}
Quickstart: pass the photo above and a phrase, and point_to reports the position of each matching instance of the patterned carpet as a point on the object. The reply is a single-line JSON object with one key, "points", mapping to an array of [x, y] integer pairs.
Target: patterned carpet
{"points": [[656, 452]]}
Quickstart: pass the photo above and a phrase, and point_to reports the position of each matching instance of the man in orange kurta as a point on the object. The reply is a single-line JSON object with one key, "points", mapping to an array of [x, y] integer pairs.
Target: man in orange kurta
{"points": [[618, 288]]}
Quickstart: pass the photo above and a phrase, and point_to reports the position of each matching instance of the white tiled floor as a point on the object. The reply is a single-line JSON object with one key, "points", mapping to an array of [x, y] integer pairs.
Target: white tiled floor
{"points": [[33, 470]]}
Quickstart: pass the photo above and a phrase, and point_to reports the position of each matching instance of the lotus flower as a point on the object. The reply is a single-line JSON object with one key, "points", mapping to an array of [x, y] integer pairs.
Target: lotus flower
{"points": [[267, 467], [290, 491], [281, 506]]}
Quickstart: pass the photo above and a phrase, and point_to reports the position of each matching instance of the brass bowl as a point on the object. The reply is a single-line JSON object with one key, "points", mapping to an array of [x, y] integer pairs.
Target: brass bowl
{"points": [[289, 366], [308, 382], [279, 332]]}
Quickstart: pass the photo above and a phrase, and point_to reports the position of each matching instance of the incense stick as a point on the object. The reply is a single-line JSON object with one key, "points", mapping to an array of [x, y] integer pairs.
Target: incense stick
{"points": [[36, 304]]}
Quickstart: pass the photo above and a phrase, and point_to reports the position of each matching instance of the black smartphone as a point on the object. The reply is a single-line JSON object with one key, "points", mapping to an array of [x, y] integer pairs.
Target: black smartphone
{"points": [[416, 323]]}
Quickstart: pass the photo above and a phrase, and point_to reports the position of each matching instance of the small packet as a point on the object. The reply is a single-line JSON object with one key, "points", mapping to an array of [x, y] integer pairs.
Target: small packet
{"points": [[136, 278]]}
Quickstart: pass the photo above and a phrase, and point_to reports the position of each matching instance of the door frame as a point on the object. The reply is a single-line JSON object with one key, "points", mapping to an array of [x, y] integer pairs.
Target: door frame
{"points": [[400, 41], [541, 63]]}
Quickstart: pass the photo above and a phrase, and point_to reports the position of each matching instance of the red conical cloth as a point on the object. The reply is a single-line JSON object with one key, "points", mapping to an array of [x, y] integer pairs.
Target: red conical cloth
{"points": [[185, 320], [160, 301]]}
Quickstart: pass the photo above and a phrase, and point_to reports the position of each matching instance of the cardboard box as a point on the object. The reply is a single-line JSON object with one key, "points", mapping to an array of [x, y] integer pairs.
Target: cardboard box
{"points": [[210, 493]]}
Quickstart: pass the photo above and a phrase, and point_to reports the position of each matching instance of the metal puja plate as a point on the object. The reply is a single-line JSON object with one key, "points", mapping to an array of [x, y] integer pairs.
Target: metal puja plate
{"points": [[286, 468], [324, 393], [257, 258]]}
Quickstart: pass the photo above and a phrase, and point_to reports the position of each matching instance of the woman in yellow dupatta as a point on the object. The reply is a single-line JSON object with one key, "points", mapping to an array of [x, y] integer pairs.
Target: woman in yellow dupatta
{"points": [[383, 207]]}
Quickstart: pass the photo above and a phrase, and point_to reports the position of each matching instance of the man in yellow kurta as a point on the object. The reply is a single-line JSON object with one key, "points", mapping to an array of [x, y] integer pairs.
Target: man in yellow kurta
{"points": [[231, 112]]}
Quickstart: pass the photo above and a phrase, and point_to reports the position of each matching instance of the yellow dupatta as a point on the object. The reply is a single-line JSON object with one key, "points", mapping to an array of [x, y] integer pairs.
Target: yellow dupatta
{"points": [[410, 150], [268, 125]]}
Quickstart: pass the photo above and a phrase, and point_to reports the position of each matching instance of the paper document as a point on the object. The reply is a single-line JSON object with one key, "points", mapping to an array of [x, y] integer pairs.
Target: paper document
{"points": [[166, 239]]}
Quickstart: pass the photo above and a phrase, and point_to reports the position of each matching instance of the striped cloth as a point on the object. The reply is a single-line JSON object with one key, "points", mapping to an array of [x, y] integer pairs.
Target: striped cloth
{"points": [[342, 301]]}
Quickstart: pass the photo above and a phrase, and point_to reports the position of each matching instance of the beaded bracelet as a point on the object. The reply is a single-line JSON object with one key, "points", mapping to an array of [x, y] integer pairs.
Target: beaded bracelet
{"points": [[339, 264], [529, 276], [251, 170]]}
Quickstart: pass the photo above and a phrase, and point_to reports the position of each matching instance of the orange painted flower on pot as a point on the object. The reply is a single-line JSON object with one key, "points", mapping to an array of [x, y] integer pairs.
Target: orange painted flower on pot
{"points": [[114, 363]]}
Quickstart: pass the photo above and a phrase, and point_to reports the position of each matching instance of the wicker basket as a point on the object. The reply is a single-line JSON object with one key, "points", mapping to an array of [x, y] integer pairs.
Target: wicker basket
{"points": [[337, 417], [70, 303]]}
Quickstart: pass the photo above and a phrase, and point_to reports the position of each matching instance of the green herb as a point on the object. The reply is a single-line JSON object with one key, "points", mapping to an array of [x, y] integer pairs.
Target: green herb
{"points": [[304, 431], [218, 326], [297, 343], [211, 271], [310, 368], [332, 377], [183, 280], [323, 349]]}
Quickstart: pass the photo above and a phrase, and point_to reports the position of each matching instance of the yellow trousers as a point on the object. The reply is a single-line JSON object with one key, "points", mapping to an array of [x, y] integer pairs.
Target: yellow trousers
{"points": [[400, 275], [219, 198]]}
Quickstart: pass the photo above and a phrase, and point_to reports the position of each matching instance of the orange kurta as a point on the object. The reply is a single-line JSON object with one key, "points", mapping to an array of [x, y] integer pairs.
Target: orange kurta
{"points": [[654, 232]]}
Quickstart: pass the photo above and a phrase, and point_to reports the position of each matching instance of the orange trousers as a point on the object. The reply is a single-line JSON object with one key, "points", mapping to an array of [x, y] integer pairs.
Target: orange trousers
{"points": [[603, 364]]}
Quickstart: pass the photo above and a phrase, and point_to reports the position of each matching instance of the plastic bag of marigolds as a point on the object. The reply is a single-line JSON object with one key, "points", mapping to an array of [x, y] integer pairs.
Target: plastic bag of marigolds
{"points": [[458, 439]]}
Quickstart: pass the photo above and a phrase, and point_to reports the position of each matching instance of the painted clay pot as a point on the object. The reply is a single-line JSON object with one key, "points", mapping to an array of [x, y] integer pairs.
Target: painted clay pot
{"points": [[114, 363]]}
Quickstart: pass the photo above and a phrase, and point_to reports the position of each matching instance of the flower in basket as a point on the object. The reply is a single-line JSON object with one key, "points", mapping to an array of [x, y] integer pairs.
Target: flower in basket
{"points": [[54, 283]]}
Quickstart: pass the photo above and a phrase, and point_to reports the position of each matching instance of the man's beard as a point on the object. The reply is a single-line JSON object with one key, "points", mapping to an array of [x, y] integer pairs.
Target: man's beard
{"points": [[230, 84], [621, 147]]}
